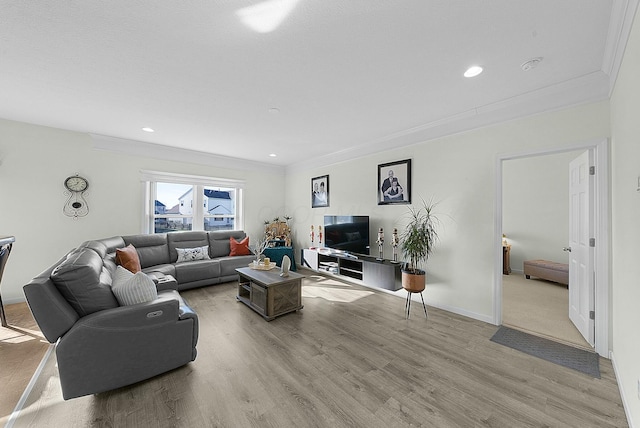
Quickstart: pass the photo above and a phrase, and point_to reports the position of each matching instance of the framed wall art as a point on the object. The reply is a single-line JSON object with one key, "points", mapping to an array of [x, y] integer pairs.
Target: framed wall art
{"points": [[320, 191], [394, 182]]}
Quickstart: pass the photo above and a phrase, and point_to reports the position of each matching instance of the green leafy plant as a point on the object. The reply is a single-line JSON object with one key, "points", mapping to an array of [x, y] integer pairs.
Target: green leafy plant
{"points": [[419, 237]]}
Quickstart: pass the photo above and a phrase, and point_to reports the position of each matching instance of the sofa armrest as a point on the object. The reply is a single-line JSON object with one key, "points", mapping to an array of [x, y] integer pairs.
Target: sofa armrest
{"points": [[163, 282], [120, 346], [185, 312], [159, 311]]}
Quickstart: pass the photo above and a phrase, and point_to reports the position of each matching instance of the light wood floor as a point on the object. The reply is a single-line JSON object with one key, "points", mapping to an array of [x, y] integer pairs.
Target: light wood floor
{"points": [[349, 358], [22, 346]]}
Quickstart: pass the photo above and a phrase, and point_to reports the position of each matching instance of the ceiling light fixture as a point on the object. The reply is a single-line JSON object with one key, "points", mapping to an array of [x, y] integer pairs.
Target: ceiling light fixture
{"points": [[266, 16], [273, 155], [147, 129], [473, 71], [274, 110], [531, 64]]}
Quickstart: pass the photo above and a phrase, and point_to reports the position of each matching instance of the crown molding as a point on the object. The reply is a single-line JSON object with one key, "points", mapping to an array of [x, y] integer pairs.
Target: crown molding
{"points": [[581, 90], [620, 23], [161, 152]]}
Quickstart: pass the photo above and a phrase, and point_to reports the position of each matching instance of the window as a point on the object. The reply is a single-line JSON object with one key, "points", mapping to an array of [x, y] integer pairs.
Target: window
{"points": [[170, 200]]}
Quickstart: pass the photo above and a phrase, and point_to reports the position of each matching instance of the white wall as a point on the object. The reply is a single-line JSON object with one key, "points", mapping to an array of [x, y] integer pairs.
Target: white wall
{"points": [[625, 160], [459, 171], [536, 207], [35, 162]]}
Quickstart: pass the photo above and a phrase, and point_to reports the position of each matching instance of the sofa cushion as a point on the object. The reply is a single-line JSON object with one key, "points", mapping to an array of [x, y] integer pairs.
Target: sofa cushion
{"points": [[84, 282], [97, 246], [127, 257], [229, 264], [131, 289], [197, 271], [192, 254], [166, 269], [219, 243], [239, 248], [152, 249], [113, 243]]}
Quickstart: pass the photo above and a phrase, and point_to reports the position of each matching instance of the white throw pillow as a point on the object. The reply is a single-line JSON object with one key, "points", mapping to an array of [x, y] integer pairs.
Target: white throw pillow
{"points": [[131, 289], [192, 254]]}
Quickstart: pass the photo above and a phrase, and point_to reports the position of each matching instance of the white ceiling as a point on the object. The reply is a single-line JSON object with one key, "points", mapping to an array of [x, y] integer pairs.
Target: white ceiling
{"points": [[347, 76]]}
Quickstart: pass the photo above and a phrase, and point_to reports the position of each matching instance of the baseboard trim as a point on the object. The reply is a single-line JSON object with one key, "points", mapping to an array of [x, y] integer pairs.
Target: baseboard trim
{"points": [[403, 294], [625, 402], [29, 388], [13, 300]]}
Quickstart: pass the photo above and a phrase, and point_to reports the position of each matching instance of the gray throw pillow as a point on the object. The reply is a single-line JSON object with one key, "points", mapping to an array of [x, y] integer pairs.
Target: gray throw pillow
{"points": [[131, 289]]}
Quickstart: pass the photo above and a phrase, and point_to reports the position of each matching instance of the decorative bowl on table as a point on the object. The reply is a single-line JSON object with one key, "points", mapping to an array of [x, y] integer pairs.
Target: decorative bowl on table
{"points": [[262, 265]]}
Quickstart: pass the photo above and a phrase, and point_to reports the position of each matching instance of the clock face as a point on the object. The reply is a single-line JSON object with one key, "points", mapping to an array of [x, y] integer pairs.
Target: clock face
{"points": [[76, 184]]}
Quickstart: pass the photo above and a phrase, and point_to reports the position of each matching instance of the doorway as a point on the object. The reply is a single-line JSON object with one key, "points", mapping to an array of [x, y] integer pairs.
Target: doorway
{"points": [[599, 150], [536, 226]]}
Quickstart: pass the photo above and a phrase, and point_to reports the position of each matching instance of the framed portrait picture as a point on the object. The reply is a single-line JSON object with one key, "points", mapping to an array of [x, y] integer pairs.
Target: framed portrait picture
{"points": [[394, 182], [320, 191]]}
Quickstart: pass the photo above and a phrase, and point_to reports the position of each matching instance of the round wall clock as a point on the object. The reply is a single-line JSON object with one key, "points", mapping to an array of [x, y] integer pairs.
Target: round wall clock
{"points": [[76, 205], [76, 183]]}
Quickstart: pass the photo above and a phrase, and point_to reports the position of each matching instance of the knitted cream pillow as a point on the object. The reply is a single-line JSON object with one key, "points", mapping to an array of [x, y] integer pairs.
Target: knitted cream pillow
{"points": [[131, 289]]}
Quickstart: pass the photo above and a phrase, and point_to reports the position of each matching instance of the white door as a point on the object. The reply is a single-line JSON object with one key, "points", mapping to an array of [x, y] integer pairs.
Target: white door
{"points": [[581, 274]]}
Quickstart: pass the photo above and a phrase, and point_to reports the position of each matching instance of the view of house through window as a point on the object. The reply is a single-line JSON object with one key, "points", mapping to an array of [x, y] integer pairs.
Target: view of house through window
{"points": [[179, 206]]}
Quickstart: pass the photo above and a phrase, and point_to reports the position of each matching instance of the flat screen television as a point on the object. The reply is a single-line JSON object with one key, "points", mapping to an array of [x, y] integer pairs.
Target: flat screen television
{"points": [[348, 233]]}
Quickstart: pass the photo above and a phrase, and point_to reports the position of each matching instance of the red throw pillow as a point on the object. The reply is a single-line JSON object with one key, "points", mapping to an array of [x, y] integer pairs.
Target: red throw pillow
{"points": [[127, 257], [239, 248]]}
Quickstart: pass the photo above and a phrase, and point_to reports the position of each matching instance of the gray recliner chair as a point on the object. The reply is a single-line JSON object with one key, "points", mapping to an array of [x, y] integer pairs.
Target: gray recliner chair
{"points": [[100, 345]]}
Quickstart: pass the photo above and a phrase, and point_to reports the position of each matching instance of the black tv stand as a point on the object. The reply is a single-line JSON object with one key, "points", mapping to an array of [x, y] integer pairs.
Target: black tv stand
{"points": [[365, 270]]}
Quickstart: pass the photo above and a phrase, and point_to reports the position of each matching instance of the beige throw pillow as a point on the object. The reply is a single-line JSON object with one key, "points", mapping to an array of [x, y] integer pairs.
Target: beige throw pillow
{"points": [[131, 289]]}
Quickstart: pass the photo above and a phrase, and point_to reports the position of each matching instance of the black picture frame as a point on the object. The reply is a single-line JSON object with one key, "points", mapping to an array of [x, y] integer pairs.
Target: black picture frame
{"points": [[320, 191], [401, 171]]}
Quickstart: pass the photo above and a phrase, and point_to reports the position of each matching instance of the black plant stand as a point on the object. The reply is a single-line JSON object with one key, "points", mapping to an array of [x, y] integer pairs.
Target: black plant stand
{"points": [[5, 249]]}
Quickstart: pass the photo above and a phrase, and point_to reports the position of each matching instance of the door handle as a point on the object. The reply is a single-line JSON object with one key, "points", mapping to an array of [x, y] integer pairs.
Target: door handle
{"points": [[567, 249]]}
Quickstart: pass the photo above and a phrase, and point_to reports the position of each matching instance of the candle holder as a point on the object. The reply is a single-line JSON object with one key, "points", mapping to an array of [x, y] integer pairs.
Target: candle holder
{"points": [[312, 235]]}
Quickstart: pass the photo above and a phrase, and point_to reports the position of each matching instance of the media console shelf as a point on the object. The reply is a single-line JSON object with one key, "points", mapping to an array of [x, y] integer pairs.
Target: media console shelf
{"points": [[366, 270]]}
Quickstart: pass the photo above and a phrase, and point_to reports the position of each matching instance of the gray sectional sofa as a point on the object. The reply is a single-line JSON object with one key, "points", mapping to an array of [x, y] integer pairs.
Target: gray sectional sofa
{"points": [[158, 255], [103, 345]]}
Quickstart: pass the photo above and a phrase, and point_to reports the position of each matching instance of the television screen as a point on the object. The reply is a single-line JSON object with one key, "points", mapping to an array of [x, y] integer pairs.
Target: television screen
{"points": [[348, 233]]}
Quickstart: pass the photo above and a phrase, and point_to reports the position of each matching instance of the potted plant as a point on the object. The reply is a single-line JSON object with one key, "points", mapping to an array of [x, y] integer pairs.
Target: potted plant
{"points": [[417, 242]]}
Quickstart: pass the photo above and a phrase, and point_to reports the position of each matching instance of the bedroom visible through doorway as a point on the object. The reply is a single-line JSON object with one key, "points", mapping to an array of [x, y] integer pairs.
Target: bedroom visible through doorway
{"points": [[535, 222]]}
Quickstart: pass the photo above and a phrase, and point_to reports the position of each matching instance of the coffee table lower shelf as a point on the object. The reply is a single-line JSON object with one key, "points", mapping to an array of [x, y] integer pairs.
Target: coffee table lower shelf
{"points": [[269, 294]]}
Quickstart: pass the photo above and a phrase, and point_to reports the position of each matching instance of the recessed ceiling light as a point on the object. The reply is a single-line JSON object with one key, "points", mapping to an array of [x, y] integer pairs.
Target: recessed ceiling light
{"points": [[473, 71], [147, 129], [273, 155], [267, 15]]}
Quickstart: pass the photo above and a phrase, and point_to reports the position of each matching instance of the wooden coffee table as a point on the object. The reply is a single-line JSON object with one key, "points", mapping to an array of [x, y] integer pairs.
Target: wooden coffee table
{"points": [[269, 294]]}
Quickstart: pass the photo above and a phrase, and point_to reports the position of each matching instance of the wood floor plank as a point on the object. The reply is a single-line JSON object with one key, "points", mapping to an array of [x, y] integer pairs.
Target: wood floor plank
{"points": [[348, 359]]}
